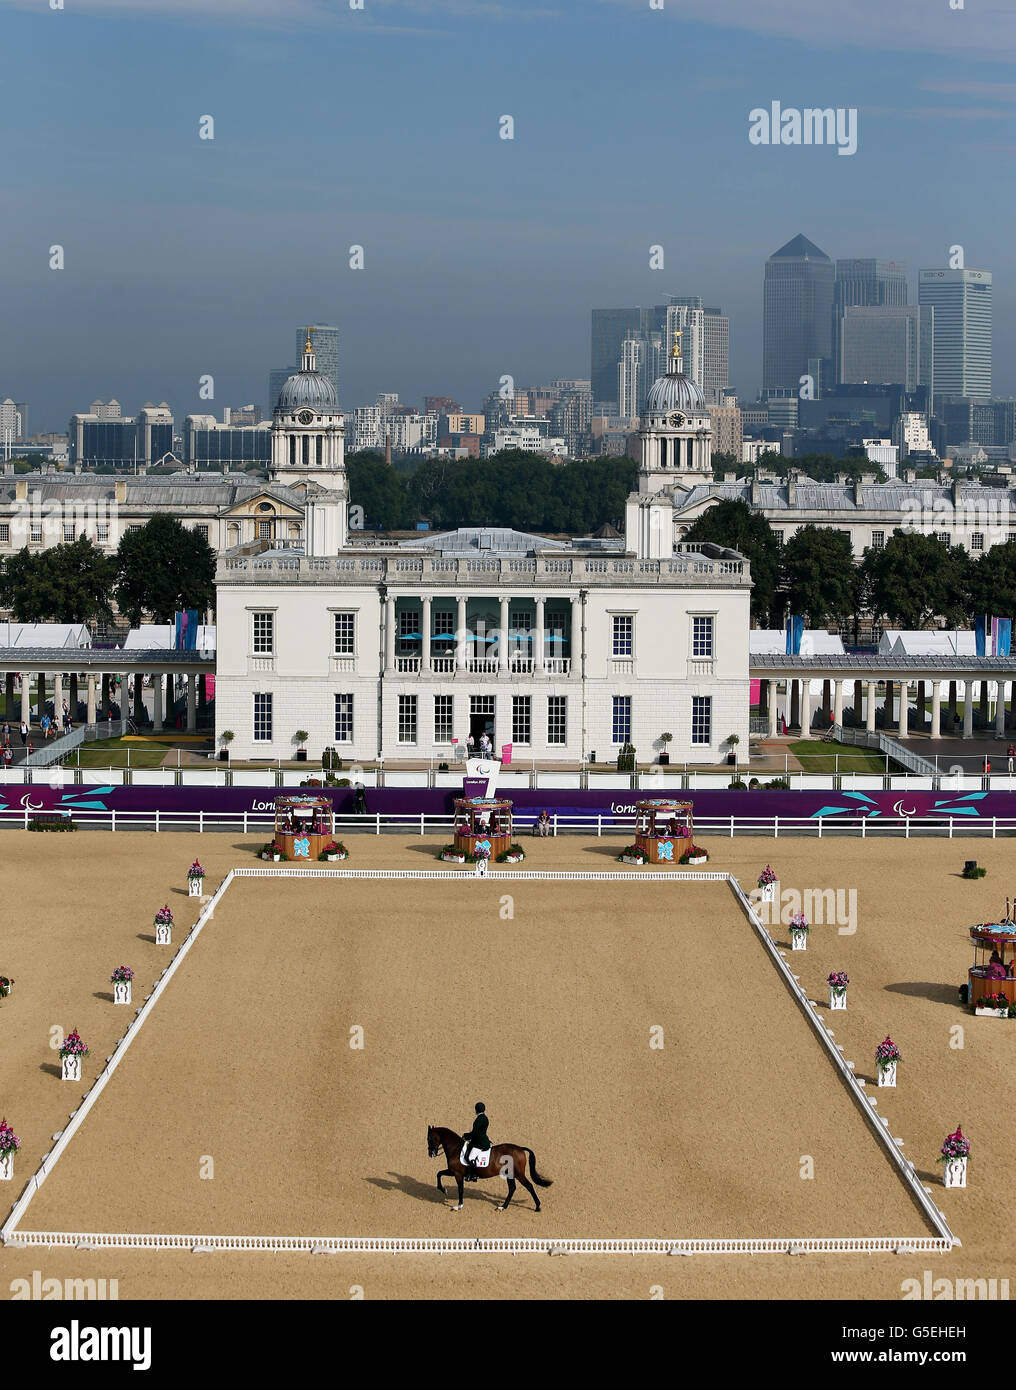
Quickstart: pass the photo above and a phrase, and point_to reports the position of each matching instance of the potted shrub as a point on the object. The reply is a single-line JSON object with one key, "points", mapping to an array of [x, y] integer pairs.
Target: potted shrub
{"points": [[633, 854], [992, 1006], [121, 981], [6, 985], [971, 870], [694, 854], [737, 785], [954, 1154], [732, 741], [333, 852], [799, 930], [225, 738], [626, 758], [451, 854], [514, 854], [163, 927], [301, 737], [71, 1053], [887, 1058], [837, 982], [665, 739], [9, 1145]]}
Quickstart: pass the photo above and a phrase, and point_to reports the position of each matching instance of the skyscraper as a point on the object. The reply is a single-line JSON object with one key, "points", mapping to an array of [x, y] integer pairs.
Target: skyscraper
{"points": [[610, 327], [796, 312], [865, 282], [325, 342], [961, 300], [705, 344], [277, 378], [880, 344]]}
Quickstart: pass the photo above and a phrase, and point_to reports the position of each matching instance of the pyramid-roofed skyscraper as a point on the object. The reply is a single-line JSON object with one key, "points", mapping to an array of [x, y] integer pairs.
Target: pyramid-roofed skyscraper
{"points": [[796, 313]]}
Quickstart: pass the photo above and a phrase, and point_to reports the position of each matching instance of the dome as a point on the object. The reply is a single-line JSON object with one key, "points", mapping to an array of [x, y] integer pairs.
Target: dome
{"points": [[311, 389], [675, 392]]}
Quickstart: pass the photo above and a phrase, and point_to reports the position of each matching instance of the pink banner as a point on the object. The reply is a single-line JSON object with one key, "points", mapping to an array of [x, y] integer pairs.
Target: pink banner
{"points": [[506, 753], [209, 687], [756, 692]]}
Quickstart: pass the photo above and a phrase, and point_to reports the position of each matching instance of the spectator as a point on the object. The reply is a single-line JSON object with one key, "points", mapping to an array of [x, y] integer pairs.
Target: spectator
{"points": [[24, 733], [1010, 753]]}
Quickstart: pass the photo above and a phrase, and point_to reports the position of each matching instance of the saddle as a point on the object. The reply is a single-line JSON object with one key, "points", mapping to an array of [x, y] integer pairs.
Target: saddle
{"points": [[479, 1157]]}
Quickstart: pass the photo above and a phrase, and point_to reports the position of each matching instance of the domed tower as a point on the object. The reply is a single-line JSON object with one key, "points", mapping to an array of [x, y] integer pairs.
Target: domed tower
{"points": [[307, 429], [676, 431]]}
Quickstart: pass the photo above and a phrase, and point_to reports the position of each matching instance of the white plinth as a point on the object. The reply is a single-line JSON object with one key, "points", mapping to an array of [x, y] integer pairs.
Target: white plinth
{"points": [[991, 1013], [699, 859], [121, 991], [837, 998], [630, 859], [195, 887], [6, 1167], [164, 933], [768, 891], [70, 1068], [798, 940], [955, 1172], [481, 868], [887, 1074]]}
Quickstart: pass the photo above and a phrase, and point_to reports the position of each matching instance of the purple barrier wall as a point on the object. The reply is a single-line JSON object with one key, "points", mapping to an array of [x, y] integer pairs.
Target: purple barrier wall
{"points": [[618, 805]]}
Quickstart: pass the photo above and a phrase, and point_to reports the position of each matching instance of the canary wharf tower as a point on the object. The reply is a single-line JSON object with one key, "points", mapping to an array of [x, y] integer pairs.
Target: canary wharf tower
{"points": [[796, 313]]}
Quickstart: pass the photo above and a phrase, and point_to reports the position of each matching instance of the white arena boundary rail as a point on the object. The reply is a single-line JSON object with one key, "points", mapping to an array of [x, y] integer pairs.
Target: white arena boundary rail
{"points": [[941, 1243], [904, 827]]}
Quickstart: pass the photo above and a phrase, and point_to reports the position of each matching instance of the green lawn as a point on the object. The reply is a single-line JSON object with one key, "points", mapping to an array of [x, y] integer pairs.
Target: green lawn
{"points": [[113, 752], [816, 756]]}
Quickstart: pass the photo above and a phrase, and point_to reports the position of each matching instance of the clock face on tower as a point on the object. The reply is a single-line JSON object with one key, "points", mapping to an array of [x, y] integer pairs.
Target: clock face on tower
{"points": [[306, 417], [676, 420]]}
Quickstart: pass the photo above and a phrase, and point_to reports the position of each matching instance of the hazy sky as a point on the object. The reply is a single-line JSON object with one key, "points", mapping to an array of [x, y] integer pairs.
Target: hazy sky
{"points": [[380, 127]]}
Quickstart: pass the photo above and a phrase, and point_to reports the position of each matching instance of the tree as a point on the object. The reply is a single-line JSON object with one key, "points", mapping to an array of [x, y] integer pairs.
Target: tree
{"points": [[377, 488], [915, 578], [63, 584], [992, 583], [163, 568], [819, 574], [733, 523]]}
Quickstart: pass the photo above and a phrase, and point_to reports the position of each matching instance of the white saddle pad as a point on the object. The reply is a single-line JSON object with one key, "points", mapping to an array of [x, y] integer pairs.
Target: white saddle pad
{"points": [[481, 1157]]}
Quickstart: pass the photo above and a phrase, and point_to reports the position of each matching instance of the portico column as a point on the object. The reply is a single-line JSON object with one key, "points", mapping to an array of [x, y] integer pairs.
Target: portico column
{"points": [[157, 699], [389, 633], [58, 700], [502, 639], [773, 712], [540, 638], [460, 635], [806, 709], [936, 709], [26, 698], [858, 697], [904, 708], [838, 703], [1000, 709], [574, 634], [869, 712], [90, 705], [968, 709], [425, 632], [192, 710]]}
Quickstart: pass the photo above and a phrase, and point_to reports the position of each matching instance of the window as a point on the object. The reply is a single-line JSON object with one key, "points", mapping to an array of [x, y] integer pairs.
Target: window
{"points": [[409, 632], [522, 719], [1011, 537], [36, 533], [345, 634], [977, 540], [621, 724], [623, 633], [942, 536], [557, 719], [779, 537], [444, 629], [138, 528], [407, 718], [262, 718], [878, 540], [343, 719], [264, 634], [5, 533], [702, 636], [102, 531], [68, 533], [444, 722], [701, 718], [202, 532], [264, 529]]}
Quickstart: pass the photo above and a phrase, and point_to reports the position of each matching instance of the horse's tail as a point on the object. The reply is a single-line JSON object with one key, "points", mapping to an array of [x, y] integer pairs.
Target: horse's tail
{"points": [[540, 1182]]}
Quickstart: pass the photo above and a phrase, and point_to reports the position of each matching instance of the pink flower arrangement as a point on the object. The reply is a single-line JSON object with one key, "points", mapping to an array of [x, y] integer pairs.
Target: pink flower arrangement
{"points": [[799, 922], [122, 975], [9, 1141], [768, 875], [886, 1053], [74, 1045], [195, 870], [838, 980], [164, 917], [956, 1146]]}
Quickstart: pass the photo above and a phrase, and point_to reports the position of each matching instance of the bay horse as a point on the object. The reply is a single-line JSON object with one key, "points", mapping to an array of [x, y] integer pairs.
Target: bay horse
{"points": [[506, 1161]]}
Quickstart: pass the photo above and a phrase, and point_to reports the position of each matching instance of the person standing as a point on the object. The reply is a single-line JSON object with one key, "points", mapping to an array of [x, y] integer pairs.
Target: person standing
{"points": [[1010, 753], [24, 733]]}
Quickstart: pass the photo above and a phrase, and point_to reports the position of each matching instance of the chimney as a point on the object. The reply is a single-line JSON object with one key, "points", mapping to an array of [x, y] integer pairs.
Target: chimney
{"points": [[21, 490], [730, 477], [388, 449], [120, 491], [792, 488], [756, 492]]}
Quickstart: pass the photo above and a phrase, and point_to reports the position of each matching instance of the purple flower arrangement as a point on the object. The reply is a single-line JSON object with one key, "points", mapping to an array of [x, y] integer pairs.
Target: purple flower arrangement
{"points": [[9, 1141], [164, 917], [838, 981], [886, 1053], [122, 975], [799, 922], [5, 986], [74, 1045], [767, 876], [956, 1146], [195, 870]]}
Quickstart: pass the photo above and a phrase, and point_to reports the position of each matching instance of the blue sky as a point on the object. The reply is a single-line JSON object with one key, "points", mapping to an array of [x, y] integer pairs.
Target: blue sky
{"points": [[483, 257]]}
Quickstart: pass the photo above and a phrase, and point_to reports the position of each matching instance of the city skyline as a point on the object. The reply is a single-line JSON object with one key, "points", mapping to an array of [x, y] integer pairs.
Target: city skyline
{"points": [[205, 269]]}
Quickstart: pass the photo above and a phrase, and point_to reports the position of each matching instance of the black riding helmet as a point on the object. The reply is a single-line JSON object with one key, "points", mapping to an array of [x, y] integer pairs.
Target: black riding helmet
{"points": [[479, 1107]]}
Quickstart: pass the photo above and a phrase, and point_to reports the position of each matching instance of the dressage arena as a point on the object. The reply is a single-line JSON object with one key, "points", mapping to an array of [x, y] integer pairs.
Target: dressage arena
{"points": [[738, 1127]]}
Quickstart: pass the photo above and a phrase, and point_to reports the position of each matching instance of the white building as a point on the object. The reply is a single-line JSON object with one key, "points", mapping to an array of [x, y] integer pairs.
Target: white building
{"points": [[529, 439], [559, 649], [910, 434]]}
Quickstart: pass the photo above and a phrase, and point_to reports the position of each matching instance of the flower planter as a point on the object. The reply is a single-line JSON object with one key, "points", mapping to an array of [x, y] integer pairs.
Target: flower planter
{"points": [[630, 859], [991, 1013], [70, 1068], [163, 933], [887, 1074], [454, 858], [514, 859], [6, 1167], [768, 893], [121, 991], [699, 859], [798, 940], [954, 1172], [195, 887], [837, 998]]}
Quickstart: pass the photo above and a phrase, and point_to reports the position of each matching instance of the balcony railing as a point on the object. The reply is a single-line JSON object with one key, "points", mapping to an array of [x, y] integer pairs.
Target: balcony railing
{"points": [[557, 665], [407, 665], [482, 665], [442, 665]]}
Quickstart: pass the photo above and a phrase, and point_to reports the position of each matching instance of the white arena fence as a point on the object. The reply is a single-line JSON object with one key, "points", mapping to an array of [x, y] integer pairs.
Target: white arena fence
{"points": [[941, 1243], [591, 823]]}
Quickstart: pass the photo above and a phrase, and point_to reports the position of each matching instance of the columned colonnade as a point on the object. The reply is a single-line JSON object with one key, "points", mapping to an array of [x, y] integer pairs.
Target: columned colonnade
{"points": [[92, 684]]}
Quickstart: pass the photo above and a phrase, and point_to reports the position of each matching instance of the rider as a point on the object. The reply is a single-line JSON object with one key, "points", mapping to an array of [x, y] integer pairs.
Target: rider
{"points": [[475, 1139]]}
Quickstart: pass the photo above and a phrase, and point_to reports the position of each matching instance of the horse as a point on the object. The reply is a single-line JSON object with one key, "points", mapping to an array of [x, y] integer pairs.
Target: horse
{"points": [[506, 1161]]}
